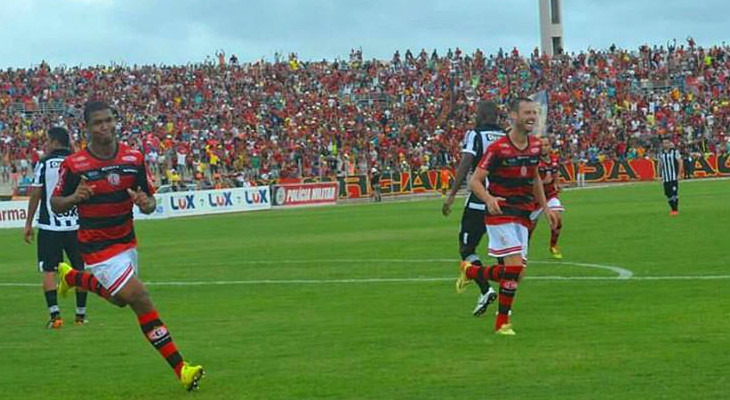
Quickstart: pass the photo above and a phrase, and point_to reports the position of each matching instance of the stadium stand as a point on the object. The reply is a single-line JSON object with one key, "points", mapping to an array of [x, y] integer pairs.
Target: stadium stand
{"points": [[214, 121]]}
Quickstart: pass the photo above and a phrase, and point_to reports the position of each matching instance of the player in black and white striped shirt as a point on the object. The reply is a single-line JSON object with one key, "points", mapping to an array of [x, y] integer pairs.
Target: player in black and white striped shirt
{"points": [[670, 170], [472, 227], [56, 233]]}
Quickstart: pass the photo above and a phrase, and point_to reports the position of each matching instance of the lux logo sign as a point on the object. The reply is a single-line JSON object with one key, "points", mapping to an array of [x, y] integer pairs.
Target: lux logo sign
{"points": [[183, 203]]}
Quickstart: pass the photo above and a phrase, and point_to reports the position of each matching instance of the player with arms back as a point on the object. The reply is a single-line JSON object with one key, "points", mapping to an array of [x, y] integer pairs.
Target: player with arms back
{"points": [[104, 181], [56, 233], [471, 228], [510, 165], [549, 169]]}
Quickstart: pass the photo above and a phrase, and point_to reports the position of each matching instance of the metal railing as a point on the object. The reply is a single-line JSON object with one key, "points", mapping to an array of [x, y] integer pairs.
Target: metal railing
{"points": [[55, 107]]}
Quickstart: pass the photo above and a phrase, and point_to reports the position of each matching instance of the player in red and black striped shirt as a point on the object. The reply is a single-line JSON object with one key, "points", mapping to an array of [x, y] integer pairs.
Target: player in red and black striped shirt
{"points": [[549, 169], [510, 165], [104, 181], [106, 227]]}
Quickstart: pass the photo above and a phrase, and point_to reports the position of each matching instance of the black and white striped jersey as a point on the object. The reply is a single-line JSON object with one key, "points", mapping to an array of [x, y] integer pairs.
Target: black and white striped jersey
{"points": [[477, 141], [669, 165], [46, 178]]}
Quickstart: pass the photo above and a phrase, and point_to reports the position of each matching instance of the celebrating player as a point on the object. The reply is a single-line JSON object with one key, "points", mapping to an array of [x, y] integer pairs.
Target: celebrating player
{"points": [[549, 169], [471, 228], [510, 164], [104, 181], [56, 232]]}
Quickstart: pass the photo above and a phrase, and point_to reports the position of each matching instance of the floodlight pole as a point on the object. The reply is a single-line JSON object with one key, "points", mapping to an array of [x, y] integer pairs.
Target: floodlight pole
{"points": [[551, 27]]}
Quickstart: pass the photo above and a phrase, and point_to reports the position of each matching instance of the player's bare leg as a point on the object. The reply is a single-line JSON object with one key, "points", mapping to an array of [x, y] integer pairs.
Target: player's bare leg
{"points": [[554, 235], [531, 229]]}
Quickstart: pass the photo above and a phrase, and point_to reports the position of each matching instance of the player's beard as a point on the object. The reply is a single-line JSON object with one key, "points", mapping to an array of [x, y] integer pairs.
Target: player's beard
{"points": [[524, 128], [104, 142], [529, 126]]}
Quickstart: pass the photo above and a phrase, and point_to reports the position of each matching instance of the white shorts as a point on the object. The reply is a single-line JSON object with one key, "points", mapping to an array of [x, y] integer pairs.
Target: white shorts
{"points": [[115, 272], [554, 204], [507, 239]]}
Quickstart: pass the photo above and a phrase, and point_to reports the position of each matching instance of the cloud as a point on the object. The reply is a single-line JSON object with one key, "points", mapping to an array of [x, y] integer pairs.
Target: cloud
{"points": [[181, 31]]}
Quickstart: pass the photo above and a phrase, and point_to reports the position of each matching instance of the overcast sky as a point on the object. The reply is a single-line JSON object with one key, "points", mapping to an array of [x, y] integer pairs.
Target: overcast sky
{"points": [[178, 31]]}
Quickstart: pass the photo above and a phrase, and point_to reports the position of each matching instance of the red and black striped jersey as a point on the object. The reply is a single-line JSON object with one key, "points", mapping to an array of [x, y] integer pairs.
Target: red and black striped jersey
{"points": [[511, 173], [105, 219], [549, 173]]}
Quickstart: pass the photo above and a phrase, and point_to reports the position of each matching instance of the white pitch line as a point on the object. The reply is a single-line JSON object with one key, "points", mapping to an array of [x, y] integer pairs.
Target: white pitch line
{"points": [[622, 273], [400, 280]]}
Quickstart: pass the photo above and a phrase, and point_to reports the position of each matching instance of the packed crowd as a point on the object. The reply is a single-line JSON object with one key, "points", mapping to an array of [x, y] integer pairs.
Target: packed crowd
{"points": [[213, 121]]}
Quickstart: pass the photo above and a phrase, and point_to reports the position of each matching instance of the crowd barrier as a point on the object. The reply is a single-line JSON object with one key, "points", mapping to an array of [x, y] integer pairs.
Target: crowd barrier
{"points": [[170, 205], [13, 213], [402, 183], [204, 202], [643, 169], [304, 194], [313, 191]]}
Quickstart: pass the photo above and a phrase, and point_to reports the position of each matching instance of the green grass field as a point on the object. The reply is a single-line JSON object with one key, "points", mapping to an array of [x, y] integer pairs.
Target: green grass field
{"points": [[341, 325]]}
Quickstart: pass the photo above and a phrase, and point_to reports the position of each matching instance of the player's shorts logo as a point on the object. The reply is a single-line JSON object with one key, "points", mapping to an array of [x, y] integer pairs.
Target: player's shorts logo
{"points": [[113, 179]]}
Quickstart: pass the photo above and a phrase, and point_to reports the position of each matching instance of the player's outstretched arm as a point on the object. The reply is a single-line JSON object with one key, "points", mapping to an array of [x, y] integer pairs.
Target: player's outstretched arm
{"points": [[461, 171]]}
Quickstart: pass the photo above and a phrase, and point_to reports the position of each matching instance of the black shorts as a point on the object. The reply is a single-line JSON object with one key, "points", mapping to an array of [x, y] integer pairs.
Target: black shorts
{"points": [[472, 227], [671, 189], [51, 246]]}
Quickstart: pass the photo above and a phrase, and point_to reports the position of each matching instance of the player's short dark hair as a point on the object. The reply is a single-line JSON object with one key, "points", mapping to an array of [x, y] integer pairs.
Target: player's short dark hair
{"points": [[514, 106], [60, 135], [93, 106], [487, 113]]}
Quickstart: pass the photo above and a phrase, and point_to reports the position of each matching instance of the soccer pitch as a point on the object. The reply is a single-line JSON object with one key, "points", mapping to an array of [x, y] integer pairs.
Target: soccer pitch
{"points": [[358, 302]]}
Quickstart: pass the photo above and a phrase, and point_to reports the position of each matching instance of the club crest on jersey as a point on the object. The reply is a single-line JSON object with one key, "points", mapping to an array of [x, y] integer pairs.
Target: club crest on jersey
{"points": [[113, 179]]}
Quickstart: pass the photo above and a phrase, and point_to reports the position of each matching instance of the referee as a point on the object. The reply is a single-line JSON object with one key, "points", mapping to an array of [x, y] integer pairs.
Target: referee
{"points": [[56, 233], [670, 170]]}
